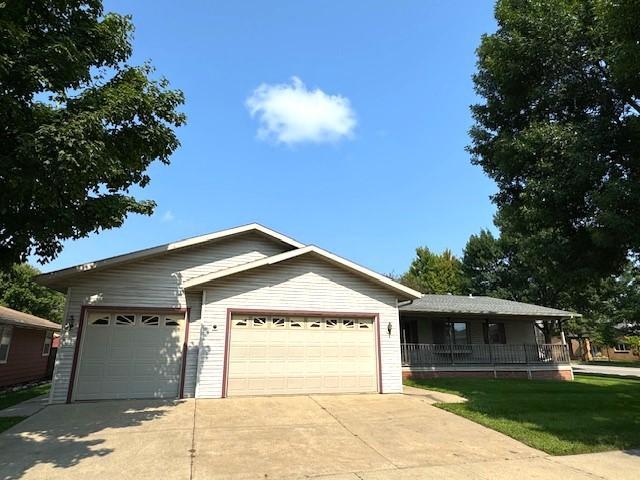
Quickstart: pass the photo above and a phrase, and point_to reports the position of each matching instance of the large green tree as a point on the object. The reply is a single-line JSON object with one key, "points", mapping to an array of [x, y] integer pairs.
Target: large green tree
{"points": [[434, 273], [484, 266], [559, 132], [79, 126], [20, 292]]}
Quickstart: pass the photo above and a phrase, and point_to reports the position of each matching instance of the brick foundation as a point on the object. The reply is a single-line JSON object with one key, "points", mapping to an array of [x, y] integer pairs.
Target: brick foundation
{"points": [[515, 374], [450, 374], [552, 375]]}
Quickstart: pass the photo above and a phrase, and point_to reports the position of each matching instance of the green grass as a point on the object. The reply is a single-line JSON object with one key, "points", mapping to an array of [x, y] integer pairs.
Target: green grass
{"points": [[8, 422], [608, 363], [8, 399], [590, 414]]}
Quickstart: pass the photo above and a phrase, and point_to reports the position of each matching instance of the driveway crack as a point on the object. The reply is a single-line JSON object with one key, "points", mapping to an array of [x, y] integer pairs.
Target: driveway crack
{"points": [[192, 451], [353, 433]]}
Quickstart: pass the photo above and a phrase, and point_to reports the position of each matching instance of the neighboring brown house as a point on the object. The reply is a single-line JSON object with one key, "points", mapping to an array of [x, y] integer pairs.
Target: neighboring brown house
{"points": [[25, 346], [581, 348]]}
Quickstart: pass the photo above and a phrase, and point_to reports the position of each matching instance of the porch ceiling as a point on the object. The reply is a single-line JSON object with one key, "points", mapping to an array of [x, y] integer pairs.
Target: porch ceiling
{"points": [[480, 307]]}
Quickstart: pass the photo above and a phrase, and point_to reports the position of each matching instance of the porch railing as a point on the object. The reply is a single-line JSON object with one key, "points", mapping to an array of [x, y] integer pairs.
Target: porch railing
{"points": [[425, 354]]}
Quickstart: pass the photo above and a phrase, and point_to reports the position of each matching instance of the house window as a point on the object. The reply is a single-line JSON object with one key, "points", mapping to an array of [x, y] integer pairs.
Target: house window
{"points": [[5, 341], [494, 333], [46, 348], [456, 333], [621, 347]]}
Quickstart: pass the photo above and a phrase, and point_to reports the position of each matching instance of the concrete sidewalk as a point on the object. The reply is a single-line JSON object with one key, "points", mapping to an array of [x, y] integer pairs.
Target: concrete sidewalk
{"points": [[604, 466], [607, 370], [26, 408]]}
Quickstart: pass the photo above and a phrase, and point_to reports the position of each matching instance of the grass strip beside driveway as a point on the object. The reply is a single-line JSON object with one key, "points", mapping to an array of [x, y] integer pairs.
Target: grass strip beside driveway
{"points": [[9, 399], [590, 414]]}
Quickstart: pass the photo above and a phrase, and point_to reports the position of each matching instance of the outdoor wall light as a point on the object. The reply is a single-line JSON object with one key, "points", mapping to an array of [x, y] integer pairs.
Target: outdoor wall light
{"points": [[389, 328]]}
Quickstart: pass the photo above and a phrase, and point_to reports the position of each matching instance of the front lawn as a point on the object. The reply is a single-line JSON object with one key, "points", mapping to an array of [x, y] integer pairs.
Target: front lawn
{"points": [[8, 399], [590, 414]]}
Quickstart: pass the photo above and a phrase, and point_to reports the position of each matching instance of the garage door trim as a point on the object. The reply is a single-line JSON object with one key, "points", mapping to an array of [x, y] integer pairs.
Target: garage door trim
{"points": [[301, 313], [84, 313]]}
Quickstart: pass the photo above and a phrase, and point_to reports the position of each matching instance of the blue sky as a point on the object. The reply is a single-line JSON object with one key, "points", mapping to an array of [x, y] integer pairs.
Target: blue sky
{"points": [[392, 176]]}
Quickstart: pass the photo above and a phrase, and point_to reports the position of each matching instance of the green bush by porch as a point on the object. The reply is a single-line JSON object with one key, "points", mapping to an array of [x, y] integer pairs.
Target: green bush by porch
{"points": [[590, 414]]}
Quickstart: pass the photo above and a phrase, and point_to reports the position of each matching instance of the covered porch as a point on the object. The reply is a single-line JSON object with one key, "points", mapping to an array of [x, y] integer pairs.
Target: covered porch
{"points": [[448, 335]]}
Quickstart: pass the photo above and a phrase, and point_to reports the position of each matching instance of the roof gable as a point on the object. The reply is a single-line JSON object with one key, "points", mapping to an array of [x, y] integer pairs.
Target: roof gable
{"points": [[54, 277], [401, 290]]}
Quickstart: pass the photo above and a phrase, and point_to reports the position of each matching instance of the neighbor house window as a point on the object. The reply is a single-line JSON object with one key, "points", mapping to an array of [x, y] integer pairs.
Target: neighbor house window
{"points": [[5, 341], [48, 336], [621, 347], [494, 333], [456, 333]]}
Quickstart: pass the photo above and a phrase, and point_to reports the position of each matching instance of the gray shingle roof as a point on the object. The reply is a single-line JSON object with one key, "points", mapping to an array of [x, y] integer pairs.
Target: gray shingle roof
{"points": [[9, 316], [480, 305]]}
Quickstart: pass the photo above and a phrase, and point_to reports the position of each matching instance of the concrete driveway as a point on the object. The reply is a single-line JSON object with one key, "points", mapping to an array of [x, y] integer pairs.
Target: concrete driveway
{"points": [[332, 437]]}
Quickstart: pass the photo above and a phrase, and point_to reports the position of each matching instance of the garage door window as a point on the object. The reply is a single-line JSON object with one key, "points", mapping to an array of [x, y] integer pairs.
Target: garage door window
{"points": [[126, 320], [346, 323], [150, 320], [172, 321], [259, 322], [100, 320], [331, 323], [278, 322], [364, 324], [240, 322]]}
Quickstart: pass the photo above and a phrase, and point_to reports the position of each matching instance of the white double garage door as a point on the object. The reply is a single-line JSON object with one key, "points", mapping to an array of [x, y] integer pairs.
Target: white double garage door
{"points": [[140, 355]]}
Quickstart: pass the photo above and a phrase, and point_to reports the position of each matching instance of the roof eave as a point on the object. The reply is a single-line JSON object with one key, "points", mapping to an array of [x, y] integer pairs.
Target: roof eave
{"points": [[50, 279]]}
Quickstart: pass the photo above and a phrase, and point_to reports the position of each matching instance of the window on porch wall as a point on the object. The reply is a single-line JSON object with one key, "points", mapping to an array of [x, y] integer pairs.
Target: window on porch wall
{"points": [[456, 333], [494, 333]]}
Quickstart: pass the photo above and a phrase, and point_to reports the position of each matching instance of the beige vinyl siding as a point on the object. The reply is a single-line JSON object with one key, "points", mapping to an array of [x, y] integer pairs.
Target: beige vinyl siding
{"points": [[155, 282], [300, 284]]}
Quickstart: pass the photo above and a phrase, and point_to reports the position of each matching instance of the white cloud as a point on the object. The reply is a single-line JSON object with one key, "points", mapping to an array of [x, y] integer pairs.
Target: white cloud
{"points": [[290, 113], [168, 216]]}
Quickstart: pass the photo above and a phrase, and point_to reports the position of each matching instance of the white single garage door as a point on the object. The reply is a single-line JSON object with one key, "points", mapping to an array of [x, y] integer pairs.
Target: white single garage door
{"points": [[130, 355], [274, 354]]}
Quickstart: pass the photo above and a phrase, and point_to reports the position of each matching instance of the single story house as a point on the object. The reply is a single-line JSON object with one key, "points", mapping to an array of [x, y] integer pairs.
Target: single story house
{"points": [[244, 311], [453, 335], [25, 346]]}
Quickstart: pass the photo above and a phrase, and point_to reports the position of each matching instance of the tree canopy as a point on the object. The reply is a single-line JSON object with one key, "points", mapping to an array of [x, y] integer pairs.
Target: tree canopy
{"points": [[79, 126], [20, 292], [559, 132], [434, 273]]}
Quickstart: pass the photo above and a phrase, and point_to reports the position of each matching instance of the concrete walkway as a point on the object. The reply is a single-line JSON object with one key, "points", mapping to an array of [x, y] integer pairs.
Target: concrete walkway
{"points": [[335, 437], [26, 408], [607, 370]]}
